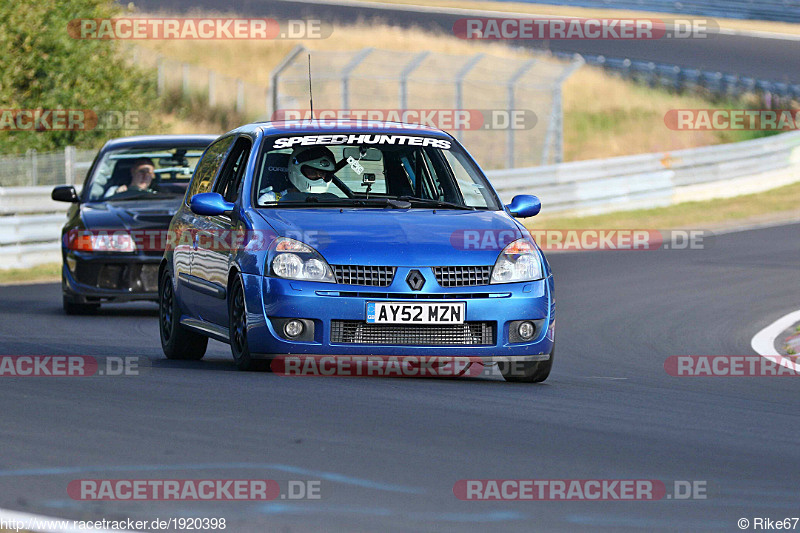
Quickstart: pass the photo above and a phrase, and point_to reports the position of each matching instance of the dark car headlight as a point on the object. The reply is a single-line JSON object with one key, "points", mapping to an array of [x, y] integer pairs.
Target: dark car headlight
{"points": [[291, 259], [101, 241]]}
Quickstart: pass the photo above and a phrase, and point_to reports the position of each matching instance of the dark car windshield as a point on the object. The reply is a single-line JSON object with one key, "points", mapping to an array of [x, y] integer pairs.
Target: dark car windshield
{"points": [[400, 171], [142, 172]]}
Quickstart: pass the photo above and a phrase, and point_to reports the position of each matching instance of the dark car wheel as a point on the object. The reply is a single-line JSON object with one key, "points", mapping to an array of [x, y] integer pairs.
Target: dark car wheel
{"points": [[74, 308], [529, 371], [176, 341], [237, 317]]}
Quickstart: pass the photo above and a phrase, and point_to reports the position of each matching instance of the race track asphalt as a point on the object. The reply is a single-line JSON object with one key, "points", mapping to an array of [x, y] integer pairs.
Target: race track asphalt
{"points": [[387, 451]]}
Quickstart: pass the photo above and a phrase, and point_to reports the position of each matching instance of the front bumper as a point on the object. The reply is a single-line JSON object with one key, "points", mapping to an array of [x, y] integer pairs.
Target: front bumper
{"points": [[328, 306], [95, 277]]}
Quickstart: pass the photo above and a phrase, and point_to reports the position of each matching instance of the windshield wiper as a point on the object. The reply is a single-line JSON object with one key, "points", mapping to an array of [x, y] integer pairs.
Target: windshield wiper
{"points": [[435, 203], [366, 202]]}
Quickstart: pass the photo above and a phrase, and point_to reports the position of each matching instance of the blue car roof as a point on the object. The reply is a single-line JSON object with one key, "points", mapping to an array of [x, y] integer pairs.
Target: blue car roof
{"points": [[200, 141]]}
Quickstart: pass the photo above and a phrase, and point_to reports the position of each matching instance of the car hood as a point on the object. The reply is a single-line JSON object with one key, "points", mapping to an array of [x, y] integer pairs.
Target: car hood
{"points": [[398, 237], [133, 215]]}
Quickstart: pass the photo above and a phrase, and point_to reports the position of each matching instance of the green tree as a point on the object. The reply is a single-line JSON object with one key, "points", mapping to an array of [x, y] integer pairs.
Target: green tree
{"points": [[43, 67]]}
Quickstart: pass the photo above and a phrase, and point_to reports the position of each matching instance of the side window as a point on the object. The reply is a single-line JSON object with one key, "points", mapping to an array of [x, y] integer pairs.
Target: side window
{"points": [[233, 170], [208, 166]]}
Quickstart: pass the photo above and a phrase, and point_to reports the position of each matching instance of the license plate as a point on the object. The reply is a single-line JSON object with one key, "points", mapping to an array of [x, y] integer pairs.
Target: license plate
{"points": [[415, 313]]}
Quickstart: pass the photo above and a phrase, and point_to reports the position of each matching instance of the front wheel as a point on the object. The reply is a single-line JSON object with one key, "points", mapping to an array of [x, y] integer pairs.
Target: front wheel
{"points": [[527, 371], [176, 341], [237, 318]]}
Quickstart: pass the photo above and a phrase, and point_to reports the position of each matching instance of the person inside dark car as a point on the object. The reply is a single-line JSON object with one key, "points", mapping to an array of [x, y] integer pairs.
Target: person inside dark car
{"points": [[142, 175]]}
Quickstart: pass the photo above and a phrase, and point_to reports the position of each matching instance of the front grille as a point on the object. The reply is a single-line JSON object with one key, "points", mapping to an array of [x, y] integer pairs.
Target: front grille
{"points": [[359, 332], [462, 276], [133, 277], [371, 276]]}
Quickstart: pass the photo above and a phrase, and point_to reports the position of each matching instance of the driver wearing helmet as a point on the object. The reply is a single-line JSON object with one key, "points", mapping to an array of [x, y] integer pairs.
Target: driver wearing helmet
{"points": [[310, 171]]}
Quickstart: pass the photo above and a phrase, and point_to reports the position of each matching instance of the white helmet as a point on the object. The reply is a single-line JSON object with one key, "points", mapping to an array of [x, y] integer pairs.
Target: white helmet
{"points": [[303, 163]]}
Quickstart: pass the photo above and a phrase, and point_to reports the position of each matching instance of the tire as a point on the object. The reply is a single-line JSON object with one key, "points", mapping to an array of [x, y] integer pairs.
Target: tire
{"points": [[528, 371], [73, 308], [237, 329], [176, 341]]}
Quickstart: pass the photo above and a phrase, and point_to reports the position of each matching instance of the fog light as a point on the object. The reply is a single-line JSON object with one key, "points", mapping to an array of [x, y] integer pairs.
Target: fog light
{"points": [[526, 330], [293, 328]]}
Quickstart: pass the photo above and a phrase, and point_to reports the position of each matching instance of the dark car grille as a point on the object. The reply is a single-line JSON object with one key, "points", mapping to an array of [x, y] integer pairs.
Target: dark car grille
{"points": [[359, 332], [371, 276], [462, 276], [133, 277]]}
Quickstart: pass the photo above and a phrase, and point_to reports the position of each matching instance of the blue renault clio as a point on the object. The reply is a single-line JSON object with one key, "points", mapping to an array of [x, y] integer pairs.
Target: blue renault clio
{"points": [[353, 239]]}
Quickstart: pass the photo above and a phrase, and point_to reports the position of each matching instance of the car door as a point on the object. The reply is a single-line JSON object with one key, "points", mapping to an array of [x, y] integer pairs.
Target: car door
{"points": [[216, 239], [184, 225]]}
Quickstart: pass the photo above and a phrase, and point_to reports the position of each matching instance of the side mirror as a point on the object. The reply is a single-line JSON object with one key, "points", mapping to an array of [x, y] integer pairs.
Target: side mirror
{"points": [[65, 193], [210, 204], [524, 206]]}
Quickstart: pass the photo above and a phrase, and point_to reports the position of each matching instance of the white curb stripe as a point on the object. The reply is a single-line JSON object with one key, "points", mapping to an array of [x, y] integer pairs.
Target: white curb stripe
{"points": [[764, 341]]}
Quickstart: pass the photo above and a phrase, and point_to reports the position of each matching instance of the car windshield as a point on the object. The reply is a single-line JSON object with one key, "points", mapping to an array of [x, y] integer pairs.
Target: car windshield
{"points": [[141, 173], [393, 171]]}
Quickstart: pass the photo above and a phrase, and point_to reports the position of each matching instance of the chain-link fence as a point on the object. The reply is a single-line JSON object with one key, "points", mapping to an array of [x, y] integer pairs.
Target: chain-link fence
{"points": [[507, 111], [510, 107], [45, 168]]}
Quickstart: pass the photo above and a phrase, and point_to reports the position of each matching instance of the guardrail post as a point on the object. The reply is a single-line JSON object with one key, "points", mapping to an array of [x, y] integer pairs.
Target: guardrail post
{"points": [[69, 165], [272, 95], [555, 128], [460, 75], [412, 65], [31, 155], [357, 59], [511, 103]]}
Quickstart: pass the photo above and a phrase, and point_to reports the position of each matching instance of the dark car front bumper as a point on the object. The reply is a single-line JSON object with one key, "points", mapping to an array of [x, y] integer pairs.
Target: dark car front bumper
{"points": [[95, 277]]}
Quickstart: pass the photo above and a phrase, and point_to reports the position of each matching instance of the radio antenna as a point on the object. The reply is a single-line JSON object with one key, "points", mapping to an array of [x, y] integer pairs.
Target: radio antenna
{"points": [[310, 94]]}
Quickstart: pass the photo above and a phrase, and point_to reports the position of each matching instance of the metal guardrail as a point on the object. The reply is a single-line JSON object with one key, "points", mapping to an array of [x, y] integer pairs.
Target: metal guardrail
{"points": [[657, 179], [30, 230], [780, 10], [682, 79]]}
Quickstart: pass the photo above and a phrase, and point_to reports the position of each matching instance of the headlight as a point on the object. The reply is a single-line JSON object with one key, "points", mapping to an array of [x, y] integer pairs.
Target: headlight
{"points": [[101, 241], [519, 261], [291, 259]]}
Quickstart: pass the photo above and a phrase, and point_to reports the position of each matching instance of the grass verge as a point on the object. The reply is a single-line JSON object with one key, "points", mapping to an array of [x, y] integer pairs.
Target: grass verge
{"points": [[40, 273], [765, 207]]}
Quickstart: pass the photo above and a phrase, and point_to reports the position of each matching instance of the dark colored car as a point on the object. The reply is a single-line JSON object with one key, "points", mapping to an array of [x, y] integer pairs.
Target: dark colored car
{"points": [[133, 188]]}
